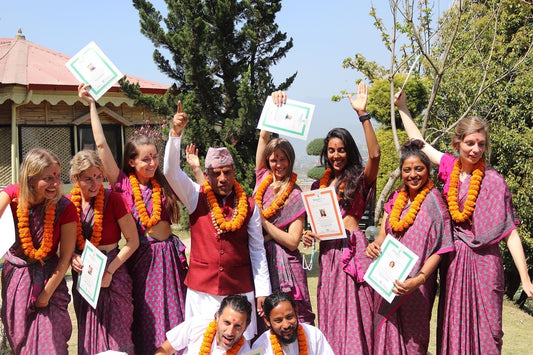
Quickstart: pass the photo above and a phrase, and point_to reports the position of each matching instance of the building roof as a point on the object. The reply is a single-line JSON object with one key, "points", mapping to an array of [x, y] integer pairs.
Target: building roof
{"points": [[24, 63]]}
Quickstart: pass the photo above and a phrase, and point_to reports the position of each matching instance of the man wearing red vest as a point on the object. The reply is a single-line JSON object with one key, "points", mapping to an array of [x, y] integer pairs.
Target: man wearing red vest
{"points": [[227, 253]]}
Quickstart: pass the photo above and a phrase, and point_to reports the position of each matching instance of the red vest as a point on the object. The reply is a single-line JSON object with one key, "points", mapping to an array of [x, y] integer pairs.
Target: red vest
{"points": [[219, 264]]}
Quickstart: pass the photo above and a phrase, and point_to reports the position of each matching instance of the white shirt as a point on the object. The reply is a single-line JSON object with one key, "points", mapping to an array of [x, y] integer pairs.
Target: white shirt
{"points": [[190, 335], [316, 343]]}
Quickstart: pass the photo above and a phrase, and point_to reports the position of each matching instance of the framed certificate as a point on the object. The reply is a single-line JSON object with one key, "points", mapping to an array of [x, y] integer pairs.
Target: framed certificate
{"points": [[291, 119], [324, 213], [394, 263], [259, 351], [91, 66], [7, 226], [90, 280]]}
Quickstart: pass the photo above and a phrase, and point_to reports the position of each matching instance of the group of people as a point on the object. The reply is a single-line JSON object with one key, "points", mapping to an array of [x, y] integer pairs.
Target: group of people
{"points": [[245, 268]]}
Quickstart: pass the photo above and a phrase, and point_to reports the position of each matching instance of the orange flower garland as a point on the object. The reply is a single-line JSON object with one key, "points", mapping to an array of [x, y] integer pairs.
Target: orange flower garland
{"points": [[148, 222], [473, 191], [324, 182], [280, 199], [302, 342], [240, 209], [209, 335], [96, 236], [23, 215], [395, 223]]}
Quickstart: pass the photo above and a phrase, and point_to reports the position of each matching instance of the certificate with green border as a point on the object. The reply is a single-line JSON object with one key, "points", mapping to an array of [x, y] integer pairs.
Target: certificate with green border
{"points": [[91, 66], [394, 263], [259, 351], [291, 119], [90, 280]]}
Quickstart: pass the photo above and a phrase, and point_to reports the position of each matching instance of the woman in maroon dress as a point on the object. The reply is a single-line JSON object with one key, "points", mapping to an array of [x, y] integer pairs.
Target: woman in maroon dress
{"points": [[34, 292]]}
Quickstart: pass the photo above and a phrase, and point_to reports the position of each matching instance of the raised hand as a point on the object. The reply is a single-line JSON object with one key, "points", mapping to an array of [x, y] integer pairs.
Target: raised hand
{"points": [[83, 93], [179, 121], [359, 102], [279, 97], [191, 154]]}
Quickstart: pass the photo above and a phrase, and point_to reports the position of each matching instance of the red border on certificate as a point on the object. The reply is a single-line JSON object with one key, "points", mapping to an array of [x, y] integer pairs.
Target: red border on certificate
{"points": [[324, 213]]}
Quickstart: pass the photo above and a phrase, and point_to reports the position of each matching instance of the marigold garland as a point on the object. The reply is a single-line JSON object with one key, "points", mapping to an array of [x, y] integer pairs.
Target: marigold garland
{"points": [[395, 223], [302, 342], [324, 182], [147, 222], [209, 335], [240, 209], [280, 199], [96, 236], [473, 190], [26, 240]]}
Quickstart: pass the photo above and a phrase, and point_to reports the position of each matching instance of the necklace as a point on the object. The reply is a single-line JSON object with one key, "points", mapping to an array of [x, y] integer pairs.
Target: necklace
{"points": [[240, 209], [148, 222], [395, 223], [473, 191], [26, 241], [324, 181], [302, 342], [309, 265], [280, 199], [209, 335], [98, 216]]}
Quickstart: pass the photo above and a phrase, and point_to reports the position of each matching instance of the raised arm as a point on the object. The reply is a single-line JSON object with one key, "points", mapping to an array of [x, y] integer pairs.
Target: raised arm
{"points": [[191, 154], [279, 98], [183, 186], [412, 130], [374, 153], [110, 165]]}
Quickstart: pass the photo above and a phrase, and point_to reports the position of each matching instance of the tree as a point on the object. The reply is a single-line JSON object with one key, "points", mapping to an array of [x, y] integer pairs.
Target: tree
{"points": [[314, 148], [477, 61], [219, 54]]}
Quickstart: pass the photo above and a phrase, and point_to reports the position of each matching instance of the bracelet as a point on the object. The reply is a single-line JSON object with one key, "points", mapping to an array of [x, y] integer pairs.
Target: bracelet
{"points": [[423, 277], [109, 272], [364, 118]]}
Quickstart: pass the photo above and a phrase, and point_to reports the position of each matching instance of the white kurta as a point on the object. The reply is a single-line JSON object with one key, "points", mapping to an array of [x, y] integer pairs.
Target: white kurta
{"points": [[190, 335], [316, 343]]}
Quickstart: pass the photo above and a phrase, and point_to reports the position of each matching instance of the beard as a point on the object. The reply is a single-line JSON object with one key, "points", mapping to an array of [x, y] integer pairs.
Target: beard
{"points": [[288, 340]]}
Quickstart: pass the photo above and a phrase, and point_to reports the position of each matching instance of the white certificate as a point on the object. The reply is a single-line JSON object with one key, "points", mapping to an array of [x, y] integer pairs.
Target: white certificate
{"points": [[90, 280], [7, 226], [291, 119], [394, 263], [324, 213], [91, 66]]}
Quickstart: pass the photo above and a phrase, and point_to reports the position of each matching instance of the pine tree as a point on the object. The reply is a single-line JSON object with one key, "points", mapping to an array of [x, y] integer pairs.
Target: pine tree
{"points": [[218, 53]]}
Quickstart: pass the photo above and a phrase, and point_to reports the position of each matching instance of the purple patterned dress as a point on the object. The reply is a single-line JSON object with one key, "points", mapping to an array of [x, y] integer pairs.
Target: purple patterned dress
{"points": [[345, 301], [402, 327], [32, 330], [471, 298], [285, 266], [158, 270], [108, 327]]}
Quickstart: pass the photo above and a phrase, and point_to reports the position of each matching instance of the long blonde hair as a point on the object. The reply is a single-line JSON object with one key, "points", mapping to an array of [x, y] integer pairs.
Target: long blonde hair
{"points": [[33, 165]]}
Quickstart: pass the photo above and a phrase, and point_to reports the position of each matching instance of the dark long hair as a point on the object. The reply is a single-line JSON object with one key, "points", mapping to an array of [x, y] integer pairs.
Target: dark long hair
{"points": [[131, 152], [274, 299], [350, 175]]}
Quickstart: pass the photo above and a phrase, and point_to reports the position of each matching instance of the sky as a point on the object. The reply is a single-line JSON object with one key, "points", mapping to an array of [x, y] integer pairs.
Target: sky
{"points": [[324, 34]]}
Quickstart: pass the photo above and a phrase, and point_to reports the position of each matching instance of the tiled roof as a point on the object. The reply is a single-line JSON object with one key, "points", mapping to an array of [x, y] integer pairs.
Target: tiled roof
{"points": [[38, 68]]}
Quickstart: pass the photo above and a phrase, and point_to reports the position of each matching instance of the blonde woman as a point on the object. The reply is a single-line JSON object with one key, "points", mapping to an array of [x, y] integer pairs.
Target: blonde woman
{"points": [[34, 292], [103, 217]]}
